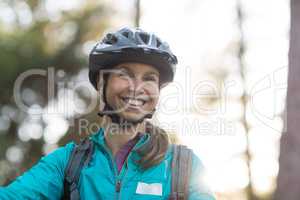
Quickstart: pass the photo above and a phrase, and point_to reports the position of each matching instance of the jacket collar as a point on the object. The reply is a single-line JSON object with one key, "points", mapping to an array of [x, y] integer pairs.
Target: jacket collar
{"points": [[99, 139]]}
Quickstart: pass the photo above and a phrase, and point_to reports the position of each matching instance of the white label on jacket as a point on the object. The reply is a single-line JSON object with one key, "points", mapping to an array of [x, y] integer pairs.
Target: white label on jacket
{"points": [[149, 188]]}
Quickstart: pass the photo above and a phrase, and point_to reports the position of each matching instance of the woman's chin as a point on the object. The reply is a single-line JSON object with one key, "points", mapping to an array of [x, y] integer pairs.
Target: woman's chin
{"points": [[131, 117]]}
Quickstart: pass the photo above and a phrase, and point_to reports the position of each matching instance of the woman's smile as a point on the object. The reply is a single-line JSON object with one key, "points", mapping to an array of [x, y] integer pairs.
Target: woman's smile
{"points": [[133, 101]]}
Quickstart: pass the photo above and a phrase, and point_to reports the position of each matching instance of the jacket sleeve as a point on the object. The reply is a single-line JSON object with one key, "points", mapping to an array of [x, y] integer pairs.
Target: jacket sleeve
{"points": [[198, 189], [43, 181]]}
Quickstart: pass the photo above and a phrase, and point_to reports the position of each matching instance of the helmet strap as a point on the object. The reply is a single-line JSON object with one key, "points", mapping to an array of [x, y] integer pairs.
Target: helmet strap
{"points": [[115, 118]]}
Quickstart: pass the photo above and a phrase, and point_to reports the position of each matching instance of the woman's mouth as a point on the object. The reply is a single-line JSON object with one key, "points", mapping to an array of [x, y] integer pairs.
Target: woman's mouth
{"points": [[133, 102]]}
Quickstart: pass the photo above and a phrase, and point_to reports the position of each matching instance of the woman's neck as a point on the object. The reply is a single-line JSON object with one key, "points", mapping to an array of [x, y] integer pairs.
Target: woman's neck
{"points": [[116, 136]]}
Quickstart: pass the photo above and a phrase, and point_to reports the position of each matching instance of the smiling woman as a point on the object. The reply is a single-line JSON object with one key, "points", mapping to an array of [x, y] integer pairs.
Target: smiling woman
{"points": [[128, 157]]}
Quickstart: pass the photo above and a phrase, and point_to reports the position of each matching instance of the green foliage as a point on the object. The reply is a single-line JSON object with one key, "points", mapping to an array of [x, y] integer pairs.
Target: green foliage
{"points": [[45, 42]]}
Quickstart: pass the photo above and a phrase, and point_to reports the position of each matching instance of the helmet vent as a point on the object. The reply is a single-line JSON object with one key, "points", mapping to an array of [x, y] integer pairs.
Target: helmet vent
{"points": [[110, 39], [144, 37], [125, 34], [158, 42]]}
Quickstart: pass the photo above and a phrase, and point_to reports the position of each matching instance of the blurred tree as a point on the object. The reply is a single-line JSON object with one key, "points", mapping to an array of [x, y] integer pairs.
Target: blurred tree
{"points": [[288, 182], [137, 13], [37, 36], [244, 98]]}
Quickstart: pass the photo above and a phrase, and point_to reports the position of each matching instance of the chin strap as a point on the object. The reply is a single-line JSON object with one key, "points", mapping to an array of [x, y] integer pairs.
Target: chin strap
{"points": [[115, 118]]}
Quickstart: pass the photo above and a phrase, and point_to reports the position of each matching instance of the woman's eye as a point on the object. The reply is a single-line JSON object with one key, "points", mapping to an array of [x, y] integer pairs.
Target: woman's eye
{"points": [[123, 74], [151, 78]]}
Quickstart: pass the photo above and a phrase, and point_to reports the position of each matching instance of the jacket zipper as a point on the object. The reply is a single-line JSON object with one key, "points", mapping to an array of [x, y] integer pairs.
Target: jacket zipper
{"points": [[118, 186], [117, 181]]}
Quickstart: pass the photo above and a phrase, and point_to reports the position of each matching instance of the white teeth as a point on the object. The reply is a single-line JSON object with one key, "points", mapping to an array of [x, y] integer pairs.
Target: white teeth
{"points": [[134, 102]]}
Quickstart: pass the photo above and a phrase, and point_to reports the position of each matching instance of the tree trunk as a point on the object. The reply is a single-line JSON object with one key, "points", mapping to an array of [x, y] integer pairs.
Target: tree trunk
{"points": [[288, 182], [137, 13]]}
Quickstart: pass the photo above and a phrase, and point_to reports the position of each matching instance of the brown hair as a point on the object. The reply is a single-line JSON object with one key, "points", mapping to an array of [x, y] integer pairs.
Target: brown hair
{"points": [[154, 151]]}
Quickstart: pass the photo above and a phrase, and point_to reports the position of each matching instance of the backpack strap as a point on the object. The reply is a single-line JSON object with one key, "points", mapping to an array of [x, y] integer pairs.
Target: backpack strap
{"points": [[80, 156], [181, 172]]}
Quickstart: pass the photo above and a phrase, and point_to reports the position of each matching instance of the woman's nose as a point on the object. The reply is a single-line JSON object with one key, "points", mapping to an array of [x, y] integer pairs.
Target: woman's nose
{"points": [[136, 85]]}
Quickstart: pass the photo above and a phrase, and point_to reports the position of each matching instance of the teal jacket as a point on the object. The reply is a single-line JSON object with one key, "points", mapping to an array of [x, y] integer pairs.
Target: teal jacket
{"points": [[99, 178]]}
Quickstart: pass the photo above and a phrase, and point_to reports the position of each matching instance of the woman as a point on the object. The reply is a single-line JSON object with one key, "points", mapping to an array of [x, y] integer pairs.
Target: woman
{"points": [[131, 157]]}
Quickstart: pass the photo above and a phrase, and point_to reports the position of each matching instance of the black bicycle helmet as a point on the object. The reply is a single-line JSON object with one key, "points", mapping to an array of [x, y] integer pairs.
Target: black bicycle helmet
{"points": [[132, 45]]}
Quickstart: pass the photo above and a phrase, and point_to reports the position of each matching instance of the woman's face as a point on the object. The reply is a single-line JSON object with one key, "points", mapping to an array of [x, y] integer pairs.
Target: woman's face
{"points": [[132, 90]]}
